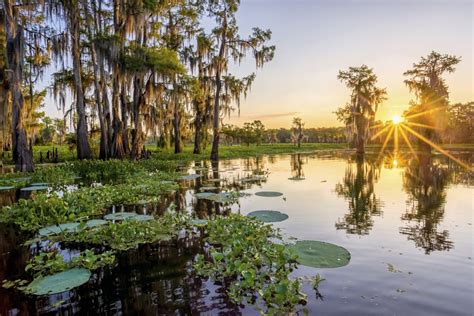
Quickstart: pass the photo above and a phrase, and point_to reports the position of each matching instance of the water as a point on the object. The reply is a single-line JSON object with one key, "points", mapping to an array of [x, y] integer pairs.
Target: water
{"points": [[407, 223]]}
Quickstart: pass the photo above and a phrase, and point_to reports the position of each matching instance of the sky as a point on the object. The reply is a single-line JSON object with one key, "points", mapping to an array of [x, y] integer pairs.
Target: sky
{"points": [[315, 39]]}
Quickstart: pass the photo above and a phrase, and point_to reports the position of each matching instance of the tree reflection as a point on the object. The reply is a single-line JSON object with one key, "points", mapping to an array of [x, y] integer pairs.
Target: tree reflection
{"points": [[425, 182], [357, 188], [297, 162]]}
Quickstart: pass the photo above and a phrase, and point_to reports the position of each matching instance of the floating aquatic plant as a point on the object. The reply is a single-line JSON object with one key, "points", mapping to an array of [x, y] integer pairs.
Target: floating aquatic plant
{"points": [[120, 216], [190, 177], [59, 282], [268, 216], [319, 254], [269, 193], [35, 188], [57, 229]]}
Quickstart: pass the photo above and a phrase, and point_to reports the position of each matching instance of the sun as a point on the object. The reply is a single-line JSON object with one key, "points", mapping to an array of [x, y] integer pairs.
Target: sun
{"points": [[397, 119]]}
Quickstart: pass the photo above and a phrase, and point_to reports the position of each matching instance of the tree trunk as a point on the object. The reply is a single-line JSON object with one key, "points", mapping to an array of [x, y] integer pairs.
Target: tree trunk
{"points": [[82, 142], [176, 125], [22, 155], [136, 131], [117, 150], [104, 144], [197, 131]]}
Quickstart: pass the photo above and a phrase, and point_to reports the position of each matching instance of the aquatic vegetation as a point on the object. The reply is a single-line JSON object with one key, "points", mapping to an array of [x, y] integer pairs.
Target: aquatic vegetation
{"points": [[222, 197], [129, 234], [269, 193], [60, 282], [190, 177], [6, 187], [208, 188], [319, 254], [35, 188], [57, 229], [120, 216], [268, 216], [199, 222], [50, 209], [253, 269]]}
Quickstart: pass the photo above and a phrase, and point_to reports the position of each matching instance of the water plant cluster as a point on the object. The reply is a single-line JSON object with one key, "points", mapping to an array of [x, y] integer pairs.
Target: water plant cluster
{"points": [[242, 253]]}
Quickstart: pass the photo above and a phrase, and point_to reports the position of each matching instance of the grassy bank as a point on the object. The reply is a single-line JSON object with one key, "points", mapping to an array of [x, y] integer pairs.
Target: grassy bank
{"points": [[64, 153]]}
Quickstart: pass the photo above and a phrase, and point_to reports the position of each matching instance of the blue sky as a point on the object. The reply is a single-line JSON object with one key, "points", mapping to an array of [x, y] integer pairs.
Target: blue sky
{"points": [[315, 39]]}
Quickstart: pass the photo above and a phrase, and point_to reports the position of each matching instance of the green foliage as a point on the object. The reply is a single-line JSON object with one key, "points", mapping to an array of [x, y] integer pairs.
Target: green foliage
{"points": [[244, 257], [129, 234]]}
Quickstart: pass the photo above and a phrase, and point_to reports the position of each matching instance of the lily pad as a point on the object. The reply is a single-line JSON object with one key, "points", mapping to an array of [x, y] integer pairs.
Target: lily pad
{"points": [[35, 188], [204, 195], [268, 216], [296, 178], [199, 222], [95, 222], [269, 193], [39, 184], [215, 180], [59, 282], [57, 229], [193, 176], [6, 188], [209, 188], [141, 218], [120, 216], [319, 254]]}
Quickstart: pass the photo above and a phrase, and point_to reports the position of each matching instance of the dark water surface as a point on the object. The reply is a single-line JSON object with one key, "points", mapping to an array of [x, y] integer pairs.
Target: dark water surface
{"points": [[407, 223]]}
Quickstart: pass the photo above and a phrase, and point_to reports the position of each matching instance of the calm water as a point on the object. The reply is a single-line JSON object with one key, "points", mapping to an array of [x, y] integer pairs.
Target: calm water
{"points": [[407, 223]]}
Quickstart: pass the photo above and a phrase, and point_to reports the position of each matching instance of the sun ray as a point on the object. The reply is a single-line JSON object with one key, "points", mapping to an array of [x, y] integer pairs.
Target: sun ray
{"points": [[438, 148], [425, 112], [387, 138], [395, 138], [407, 141], [422, 125], [383, 130], [377, 125]]}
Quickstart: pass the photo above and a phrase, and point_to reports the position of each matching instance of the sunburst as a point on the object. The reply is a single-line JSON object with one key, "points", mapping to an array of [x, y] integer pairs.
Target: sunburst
{"points": [[403, 126]]}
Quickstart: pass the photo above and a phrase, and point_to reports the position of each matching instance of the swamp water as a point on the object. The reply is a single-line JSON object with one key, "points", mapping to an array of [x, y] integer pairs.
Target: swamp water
{"points": [[406, 222]]}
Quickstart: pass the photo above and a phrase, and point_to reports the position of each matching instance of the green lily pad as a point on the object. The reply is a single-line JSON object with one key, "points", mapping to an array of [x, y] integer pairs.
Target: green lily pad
{"points": [[57, 229], [193, 176], [207, 188], [59, 282], [215, 180], [268, 216], [39, 184], [96, 222], [35, 188], [199, 222], [296, 179], [120, 216], [269, 193], [141, 218], [6, 188], [23, 179], [204, 195], [319, 254], [252, 179]]}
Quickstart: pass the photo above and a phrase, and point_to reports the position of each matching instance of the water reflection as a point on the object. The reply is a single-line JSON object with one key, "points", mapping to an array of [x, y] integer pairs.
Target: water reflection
{"points": [[161, 279], [357, 187], [296, 162], [425, 181]]}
